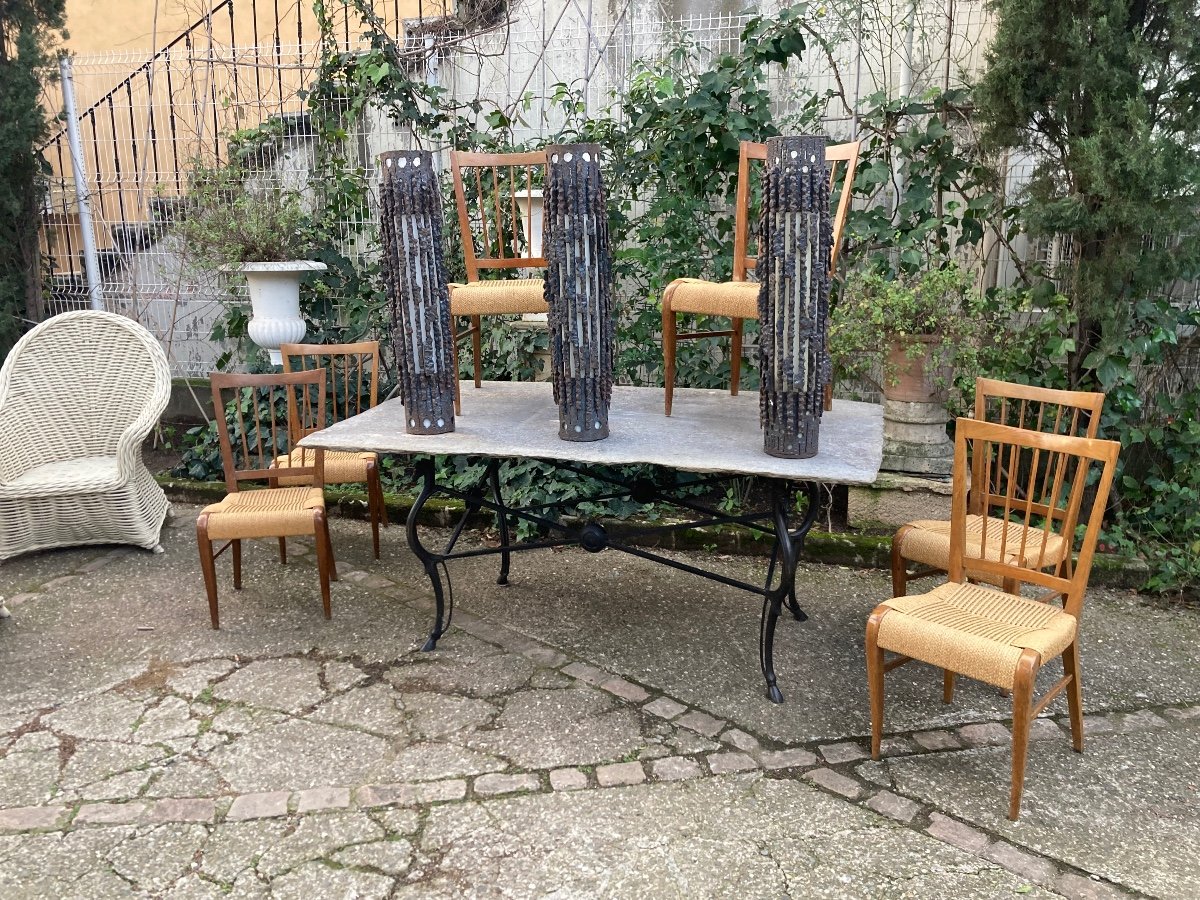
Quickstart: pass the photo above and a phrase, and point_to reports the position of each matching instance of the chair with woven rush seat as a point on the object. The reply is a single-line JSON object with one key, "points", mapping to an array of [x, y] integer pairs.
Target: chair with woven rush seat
{"points": [[506, 208], [927, 541], [738, 299], [78, 396], [353, 387], [272, 412], [993, 635]]}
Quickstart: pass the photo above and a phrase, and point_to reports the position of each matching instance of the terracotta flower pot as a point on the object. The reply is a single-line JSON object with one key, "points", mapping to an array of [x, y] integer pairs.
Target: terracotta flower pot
{"points": [[914, 376]]}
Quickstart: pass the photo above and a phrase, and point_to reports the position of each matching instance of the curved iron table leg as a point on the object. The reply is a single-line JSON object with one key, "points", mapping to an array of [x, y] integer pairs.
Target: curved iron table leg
{"points": [[428, 560], [501, 520], [787, 551]]}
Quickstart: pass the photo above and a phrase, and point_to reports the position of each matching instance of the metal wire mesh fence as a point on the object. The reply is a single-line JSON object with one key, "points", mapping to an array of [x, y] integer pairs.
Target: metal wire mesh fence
{"points": [[145, 123]]}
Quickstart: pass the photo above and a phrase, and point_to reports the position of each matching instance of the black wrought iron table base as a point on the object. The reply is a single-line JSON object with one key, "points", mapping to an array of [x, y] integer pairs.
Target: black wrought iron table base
{"points": [[776, 521]]}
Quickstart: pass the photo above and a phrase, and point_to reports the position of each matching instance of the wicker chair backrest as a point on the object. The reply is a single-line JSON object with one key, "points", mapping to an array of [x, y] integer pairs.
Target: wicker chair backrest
{"points": [[80, 384]]}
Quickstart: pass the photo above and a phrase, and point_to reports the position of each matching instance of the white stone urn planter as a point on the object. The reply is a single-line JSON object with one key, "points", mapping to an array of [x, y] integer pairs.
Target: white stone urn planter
{"points": [[275, 303]]}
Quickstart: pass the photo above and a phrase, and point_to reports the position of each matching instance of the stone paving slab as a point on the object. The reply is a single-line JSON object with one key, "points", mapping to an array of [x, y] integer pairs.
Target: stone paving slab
{"points": [[143, 754], [697, 642], [743, 839], [1128, 808]]}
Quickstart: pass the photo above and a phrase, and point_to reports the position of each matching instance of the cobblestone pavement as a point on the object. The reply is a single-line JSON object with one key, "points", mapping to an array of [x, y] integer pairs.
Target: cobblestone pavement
{"points": [[598, 728]]}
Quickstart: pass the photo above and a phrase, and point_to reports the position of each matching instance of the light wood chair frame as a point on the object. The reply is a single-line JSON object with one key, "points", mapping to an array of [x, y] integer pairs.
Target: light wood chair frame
{"points": [[365, 354], [493, 214], [1074, 413], [261, 457], [743, 261], [1070, 586]]}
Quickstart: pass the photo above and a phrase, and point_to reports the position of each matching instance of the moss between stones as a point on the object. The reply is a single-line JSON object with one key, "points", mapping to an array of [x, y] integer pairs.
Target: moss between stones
{"points": [[868, 551]]}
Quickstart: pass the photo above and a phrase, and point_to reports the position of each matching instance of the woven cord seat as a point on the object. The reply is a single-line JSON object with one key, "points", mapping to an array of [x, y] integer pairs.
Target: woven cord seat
{"points": [[735, 299], [498, 297], [341, 466], [271, 512], [976, 631], [927, 541], [78, 396]]}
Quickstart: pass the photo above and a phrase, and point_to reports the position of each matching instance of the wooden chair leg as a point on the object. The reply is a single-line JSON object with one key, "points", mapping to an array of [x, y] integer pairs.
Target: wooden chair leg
{"points": [[373, 504], [333, 575], [379, 501], [899, 570], [237, 565], [670, 345], [274, 482], [875, 678], [208, 565], [735, 356], [477, 348], [324, 557], [454, 364], [947, 686], [1074, 694], [1027, 669]]}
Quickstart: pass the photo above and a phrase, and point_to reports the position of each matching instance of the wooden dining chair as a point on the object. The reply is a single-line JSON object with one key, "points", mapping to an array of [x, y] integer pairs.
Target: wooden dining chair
{"points": [[992, 635], [499, 197], [926, 542], [352, 383], [271, 412], [738, 299]]}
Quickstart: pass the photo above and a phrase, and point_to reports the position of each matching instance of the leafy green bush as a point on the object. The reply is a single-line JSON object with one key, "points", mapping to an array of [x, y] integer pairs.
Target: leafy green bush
{"points": [[229, 221], [878, 309]]}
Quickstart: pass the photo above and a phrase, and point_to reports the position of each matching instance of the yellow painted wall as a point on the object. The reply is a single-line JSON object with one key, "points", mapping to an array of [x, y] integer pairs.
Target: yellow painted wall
{"points": [[129, 26], [107, 26], [140, 136]]}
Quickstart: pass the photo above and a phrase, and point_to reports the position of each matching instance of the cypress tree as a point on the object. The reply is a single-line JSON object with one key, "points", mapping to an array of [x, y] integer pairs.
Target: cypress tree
{"points": [[27, 34], [1106, 95]]}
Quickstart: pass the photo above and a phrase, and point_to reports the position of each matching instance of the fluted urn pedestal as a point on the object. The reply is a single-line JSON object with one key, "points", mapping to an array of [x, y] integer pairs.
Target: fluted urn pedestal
{"points": [[274, 289]]}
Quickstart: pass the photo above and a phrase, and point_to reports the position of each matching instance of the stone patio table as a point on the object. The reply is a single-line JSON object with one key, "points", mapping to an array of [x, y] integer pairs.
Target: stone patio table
{"points": [[710, 432]]}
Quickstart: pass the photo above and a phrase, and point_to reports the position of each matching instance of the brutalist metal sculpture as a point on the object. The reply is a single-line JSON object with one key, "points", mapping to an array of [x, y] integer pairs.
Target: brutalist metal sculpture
{"points": [[793, 297], [415, 271], [579, 290]]}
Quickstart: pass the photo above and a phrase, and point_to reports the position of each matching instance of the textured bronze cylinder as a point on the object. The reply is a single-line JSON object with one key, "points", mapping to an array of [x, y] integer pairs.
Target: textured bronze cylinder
{"points": [[578, 290], [414, 269], [793, 296]]}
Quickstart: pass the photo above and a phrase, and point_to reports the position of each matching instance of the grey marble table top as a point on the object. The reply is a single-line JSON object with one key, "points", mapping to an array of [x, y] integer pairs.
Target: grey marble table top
{"points": [[709, 431]]}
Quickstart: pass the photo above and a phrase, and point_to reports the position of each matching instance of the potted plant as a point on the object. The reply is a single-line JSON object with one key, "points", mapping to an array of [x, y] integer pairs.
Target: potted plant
{"points": [[261, 230], [914, 336]]}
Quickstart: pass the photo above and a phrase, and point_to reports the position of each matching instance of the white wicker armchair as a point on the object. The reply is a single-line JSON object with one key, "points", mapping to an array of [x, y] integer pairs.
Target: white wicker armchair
{"points": [[78, 395]]}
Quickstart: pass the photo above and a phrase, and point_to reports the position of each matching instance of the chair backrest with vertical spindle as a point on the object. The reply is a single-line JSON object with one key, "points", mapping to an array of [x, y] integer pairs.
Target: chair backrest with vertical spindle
{"points": [[261, 417], [1073, 413], [846, 154], [497, 195], [352, 374], [1037, 484]]}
